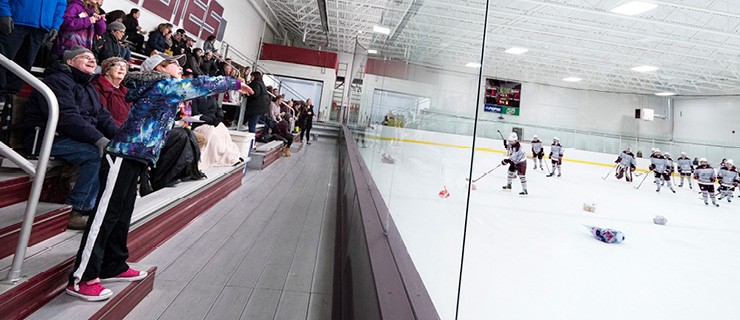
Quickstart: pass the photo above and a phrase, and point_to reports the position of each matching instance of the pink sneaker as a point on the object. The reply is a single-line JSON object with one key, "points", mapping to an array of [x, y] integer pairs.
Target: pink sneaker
{"points": [[128, 276], [90, 291]]}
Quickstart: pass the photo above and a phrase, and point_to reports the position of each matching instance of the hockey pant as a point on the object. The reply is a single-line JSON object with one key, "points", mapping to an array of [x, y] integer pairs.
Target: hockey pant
{"points": [[518, 169], [707, 190], [663, 177], [726, 191], [537, 157]]}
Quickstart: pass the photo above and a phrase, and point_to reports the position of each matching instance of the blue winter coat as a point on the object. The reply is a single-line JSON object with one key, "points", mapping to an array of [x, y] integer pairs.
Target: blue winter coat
{"points": [[44, 14], [156, 41], [156, 97], [81, 116]]}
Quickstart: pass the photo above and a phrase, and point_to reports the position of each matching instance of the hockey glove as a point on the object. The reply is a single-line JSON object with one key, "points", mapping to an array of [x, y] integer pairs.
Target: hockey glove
{"points": [[505, 161], [6, 25]]}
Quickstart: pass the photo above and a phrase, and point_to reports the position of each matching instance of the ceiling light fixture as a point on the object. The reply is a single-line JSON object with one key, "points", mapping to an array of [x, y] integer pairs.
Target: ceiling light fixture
{"points": [[634, 8], [572, 79], [372, 51], [665, 94], [473, 65], [516, 50], [645, 69], [382, 30]]}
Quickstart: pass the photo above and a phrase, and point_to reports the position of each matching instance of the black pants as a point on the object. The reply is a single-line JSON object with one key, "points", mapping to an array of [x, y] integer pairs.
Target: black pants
{"points": [[110, 251], [288, 139], [21, 46], [307, 132], [137, 40]]}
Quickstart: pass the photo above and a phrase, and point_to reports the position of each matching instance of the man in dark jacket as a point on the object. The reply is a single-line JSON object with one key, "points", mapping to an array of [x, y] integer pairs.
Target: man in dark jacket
{"points": [[84, 127], [111, 41], [24, 26], [257, 103], [208, 109]]}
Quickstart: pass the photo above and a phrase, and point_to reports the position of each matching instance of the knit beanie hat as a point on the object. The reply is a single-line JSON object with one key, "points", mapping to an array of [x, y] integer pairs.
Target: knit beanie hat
{"points": [[71, 53], [115, 25]]}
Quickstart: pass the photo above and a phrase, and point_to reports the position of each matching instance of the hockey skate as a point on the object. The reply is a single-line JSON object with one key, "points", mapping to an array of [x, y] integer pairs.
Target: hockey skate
{"points": [[524, 193], [507, 187], [558, 174], [551, 174]]}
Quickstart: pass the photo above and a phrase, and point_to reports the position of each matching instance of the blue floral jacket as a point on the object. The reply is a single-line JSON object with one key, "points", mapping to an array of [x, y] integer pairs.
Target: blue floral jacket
{"points": [[156, 97]]}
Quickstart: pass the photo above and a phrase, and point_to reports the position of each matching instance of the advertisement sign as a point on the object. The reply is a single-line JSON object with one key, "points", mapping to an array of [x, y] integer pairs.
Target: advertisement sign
{"points": [[502, 97]]}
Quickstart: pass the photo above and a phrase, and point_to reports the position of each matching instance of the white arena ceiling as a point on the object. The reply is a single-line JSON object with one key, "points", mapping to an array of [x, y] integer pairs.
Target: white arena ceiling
{"points": [[694, 44]]}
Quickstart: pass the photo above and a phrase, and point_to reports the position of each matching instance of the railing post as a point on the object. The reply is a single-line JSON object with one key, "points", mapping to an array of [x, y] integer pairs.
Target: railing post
{"points": [[51, 125]]}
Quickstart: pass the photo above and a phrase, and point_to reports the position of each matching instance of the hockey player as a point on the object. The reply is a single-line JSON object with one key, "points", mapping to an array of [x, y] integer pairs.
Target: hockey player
{"points": [[705, 176], [659, 166], [626, 164], [685, 168], [670, 167], [556, 156], [729, 178], [517, 161], [537, 151]]}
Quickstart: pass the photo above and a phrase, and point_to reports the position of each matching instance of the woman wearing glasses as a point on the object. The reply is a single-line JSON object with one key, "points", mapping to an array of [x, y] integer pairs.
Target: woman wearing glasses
{"points": [[110, 90]]}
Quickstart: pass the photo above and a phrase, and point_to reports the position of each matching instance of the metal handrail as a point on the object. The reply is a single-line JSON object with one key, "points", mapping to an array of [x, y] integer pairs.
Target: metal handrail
{"points": [[38, 180]]}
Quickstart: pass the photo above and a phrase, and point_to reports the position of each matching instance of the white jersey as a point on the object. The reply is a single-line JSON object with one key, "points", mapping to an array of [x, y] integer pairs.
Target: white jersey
{"points": [[728, 177], [536, 146], [669, 165], [684, 164], [556, 151], [515, 153], [627, 159], [704, 174], [658, 164]]}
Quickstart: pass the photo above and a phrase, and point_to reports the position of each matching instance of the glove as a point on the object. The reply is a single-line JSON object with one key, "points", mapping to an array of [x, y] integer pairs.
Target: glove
{"points": [[6, 25], [51, 36], [101, 144], [505, 161]]}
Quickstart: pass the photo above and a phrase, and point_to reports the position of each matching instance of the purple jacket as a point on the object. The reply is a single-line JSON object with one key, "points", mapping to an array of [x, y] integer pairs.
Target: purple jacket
{"points": [[76, 29]]}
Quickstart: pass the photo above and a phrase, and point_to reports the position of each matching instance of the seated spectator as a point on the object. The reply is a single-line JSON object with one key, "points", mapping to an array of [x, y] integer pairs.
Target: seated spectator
{"points": [[208, 66], [285, 110], [178, 42], [132, 29], [208, 109], [110, 43], [112, 93], [193, 62], [189, 43], [210, 44], [84, 127], [156, 42], [81, 24], [282, 129]]}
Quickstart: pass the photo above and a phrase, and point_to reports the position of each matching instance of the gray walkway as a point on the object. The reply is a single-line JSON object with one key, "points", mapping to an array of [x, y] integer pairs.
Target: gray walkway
{"points": [[263, 252]]}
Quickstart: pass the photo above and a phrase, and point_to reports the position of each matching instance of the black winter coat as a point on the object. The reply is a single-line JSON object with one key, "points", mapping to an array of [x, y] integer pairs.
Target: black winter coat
{"points": [[156, 41], [111, 47], [209, 110], [81, 116], [259, 102]]}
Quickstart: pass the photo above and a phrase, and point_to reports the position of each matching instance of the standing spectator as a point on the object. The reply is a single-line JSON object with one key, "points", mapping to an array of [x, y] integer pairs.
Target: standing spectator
{"points": [[257, 103], [110, 42], [156, 94], [84, 128], [306, 120], [24, 26], [112, 93], [132, 29], [210, 44], [157, 42], [81, 25]]}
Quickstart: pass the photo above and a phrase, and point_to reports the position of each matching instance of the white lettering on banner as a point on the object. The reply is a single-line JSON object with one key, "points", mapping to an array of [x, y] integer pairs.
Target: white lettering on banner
{"points": [[199, 17]]}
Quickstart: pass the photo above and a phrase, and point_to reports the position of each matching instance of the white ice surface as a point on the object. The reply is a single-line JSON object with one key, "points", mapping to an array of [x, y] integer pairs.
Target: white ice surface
{"points": [[532, 258]]}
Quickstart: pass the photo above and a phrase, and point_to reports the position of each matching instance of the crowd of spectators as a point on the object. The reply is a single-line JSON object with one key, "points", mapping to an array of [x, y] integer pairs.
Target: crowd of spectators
{"points": [[90, 74]]}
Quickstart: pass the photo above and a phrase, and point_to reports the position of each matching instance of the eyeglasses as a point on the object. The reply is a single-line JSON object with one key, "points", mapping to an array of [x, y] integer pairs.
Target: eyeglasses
{"points": [[85, 57], [120, 65]]}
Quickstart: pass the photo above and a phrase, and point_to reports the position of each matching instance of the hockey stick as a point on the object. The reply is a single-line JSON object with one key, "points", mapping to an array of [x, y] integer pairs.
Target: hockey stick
{"points": [[547, 165], [610, 172], [643, 180], [499, 133], [481, 177]]}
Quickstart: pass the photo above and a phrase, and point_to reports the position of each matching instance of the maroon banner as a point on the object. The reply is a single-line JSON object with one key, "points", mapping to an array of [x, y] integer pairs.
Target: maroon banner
{"points": [[299, 55], [199, 17]]}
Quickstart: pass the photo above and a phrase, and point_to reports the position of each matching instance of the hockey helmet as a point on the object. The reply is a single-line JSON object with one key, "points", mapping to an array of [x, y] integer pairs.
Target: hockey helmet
{"points": [[555, 138], [513, 136], [628, 149], [729, 162], [683, 153], [535, 137], [667, 154], [656, 151], [704, 160]]}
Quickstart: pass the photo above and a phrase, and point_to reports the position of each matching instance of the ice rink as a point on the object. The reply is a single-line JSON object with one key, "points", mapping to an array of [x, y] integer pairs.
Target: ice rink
{"points": [[530, 257]]}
